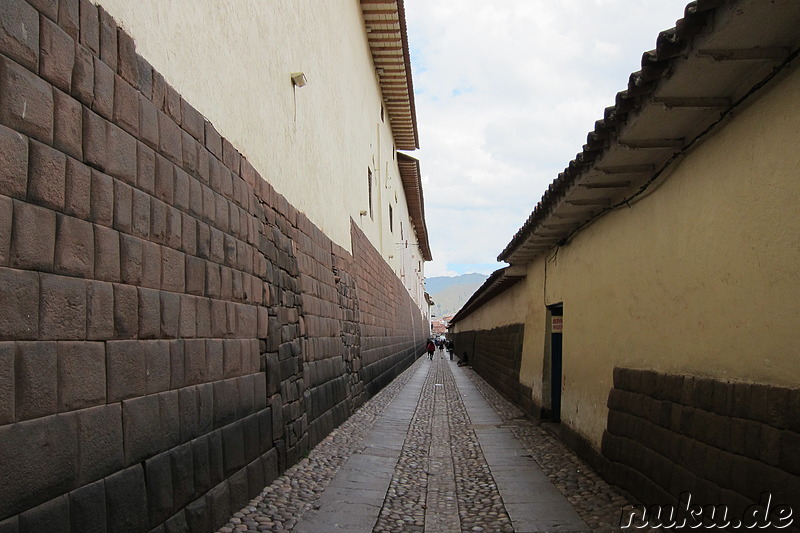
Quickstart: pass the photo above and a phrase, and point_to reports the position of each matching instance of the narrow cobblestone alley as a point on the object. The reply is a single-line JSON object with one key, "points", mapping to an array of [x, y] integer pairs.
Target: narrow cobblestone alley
{"points": [[437, 450]]}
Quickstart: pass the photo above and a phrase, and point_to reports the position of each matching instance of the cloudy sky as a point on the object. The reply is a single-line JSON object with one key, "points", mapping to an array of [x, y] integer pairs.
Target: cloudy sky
{"points": [[506, 91]]}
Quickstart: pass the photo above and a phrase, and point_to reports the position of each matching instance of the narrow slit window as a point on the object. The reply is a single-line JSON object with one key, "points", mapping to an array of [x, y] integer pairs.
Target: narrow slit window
{"points": [[369, 186]]}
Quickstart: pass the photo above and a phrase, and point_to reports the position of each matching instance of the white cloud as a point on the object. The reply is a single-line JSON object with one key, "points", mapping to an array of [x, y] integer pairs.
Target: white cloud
{"points": [[506, 91]]}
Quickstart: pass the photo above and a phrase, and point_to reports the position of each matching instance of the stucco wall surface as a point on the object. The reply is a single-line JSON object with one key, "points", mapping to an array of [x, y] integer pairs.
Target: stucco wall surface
{"points": [[700, 277], [233, 61]]}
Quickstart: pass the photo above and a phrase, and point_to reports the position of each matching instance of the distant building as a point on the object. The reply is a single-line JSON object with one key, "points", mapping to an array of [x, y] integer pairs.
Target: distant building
{"points": [[652, 298], [439, 325]]}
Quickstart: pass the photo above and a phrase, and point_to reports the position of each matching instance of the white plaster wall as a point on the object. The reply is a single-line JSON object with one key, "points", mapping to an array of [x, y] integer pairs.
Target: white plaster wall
{"points": [[232, 60]]}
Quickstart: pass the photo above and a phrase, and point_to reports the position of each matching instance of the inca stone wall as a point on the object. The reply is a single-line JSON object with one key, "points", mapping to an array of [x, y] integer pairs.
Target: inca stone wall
{"points": [[722, 442], [495, 354], [173, 333]]}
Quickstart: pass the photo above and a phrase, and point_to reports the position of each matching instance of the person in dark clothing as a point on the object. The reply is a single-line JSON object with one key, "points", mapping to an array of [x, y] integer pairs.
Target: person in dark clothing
{"points": [[450, 348], [431, 348]]}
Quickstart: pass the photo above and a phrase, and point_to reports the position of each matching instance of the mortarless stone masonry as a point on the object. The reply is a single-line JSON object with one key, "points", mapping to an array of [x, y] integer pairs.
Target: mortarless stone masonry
{"points": [[173, 333], [496, 355]]}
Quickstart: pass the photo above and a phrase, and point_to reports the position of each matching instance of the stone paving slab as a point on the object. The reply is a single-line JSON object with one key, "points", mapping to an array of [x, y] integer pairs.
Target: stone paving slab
{"points": [[355, 495], [437, 450], [538, 503]]}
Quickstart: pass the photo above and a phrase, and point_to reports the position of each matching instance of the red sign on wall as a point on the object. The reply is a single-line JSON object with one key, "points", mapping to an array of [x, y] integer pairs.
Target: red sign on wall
{"points": [[558, 324]]}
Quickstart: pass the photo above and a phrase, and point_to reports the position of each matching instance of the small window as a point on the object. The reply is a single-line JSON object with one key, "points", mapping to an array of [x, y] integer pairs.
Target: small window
{"points": [[369, 185], [391, 219]]}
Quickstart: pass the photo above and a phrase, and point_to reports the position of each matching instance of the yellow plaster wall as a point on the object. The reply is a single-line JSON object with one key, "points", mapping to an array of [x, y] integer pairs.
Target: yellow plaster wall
{"points": [[700, 277]]}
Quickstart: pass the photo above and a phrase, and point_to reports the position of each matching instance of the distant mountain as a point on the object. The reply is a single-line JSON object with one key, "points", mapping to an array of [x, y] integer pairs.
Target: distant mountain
{"points": [[449, 294]]}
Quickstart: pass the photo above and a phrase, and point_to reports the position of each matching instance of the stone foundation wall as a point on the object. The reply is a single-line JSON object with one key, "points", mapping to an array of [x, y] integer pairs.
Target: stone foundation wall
{"points": [[496, 355], [173, 333], [726, 443]]}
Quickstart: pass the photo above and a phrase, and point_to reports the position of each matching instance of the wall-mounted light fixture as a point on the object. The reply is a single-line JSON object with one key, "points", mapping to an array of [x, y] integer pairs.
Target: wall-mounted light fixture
{"points": [[363, 212], [299, 79]]}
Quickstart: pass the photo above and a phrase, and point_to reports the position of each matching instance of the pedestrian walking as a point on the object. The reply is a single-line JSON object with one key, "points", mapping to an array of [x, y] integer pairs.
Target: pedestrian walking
{"points": [[431, 348]]}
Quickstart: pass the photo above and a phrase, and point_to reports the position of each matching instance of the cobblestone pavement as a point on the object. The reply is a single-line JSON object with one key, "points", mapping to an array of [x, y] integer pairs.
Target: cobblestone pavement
{"points": [[442, 482], [281, 504], [597, 502]]}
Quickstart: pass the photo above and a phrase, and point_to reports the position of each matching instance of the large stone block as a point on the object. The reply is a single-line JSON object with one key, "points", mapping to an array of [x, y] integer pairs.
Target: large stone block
{"points": [[90, 26], [126, 311], [233, 447], [19, 33], [46, 176], [177, 523], [81, 375], [226, 402], [170, 142], [7, 383], [57, 55], [69, 17], [216, 457], [255, 477], [131, 249], [38, 461], [126, 500], [62, 308], [126, 106], [50, 516], [33, 237], [100, 442], [219, 505], [195, 364], [158, 475], [87, 507], [67, 125], [197, 515], [13, 163], [202, 469], [158, 366], [36, 379], [182, 461], [99, 310], [27, 102], [74, 253], [108, 39], [102, 198], [126, 370], [149, 314], [103, 103], [121, 159], [95, 150], [127, 61], [170, 314], [271, 466], [148, 122], [82, 73], [238, 487], [107, 254], [19, 314]]}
